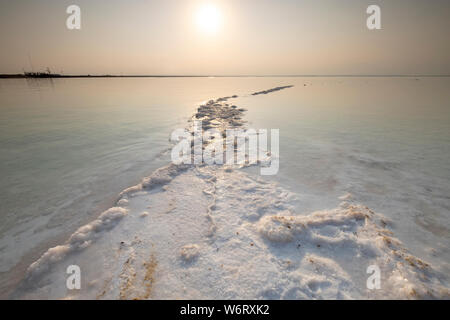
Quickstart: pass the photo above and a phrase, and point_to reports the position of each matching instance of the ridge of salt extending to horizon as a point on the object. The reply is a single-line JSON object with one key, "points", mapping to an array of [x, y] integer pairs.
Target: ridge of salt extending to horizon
{"points": [[229, 231]]}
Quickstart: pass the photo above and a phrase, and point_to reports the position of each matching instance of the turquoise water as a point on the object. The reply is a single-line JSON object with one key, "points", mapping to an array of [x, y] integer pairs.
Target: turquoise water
{"points": [[70, 146]]}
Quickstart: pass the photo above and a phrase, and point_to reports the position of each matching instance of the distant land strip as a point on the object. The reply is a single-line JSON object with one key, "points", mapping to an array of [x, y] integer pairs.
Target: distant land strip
{"points": [[20, 76]]}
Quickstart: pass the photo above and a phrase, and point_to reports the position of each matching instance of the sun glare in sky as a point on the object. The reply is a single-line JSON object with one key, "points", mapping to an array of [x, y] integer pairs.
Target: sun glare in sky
{"points": [[209, 18]]}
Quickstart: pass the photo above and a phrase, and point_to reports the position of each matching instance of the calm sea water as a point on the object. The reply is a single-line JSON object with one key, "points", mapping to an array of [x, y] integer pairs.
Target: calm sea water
{"points": [[384, 140], [69, 146]]}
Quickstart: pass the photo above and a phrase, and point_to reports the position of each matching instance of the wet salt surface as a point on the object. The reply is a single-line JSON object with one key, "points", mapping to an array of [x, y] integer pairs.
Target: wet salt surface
{"points": [[218, 232]]}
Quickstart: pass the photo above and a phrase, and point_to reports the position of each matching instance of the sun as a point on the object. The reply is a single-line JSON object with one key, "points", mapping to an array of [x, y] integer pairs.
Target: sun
{"points": [[209, 18]]}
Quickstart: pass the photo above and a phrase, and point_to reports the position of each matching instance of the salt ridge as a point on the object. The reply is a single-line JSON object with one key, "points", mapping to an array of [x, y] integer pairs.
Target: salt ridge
{"points": [[216, 232]]}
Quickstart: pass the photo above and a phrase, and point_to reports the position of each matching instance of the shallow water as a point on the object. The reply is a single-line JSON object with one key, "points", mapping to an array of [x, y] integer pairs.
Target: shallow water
{"points": [[69, 146], [384, 140]]}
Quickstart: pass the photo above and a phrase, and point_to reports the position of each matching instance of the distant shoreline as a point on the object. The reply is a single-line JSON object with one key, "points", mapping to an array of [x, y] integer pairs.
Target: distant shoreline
{"points": [[22, 76]]}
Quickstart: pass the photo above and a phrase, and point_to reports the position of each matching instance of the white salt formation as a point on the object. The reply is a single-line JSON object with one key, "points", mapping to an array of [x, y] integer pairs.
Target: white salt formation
{"points": [[271, 90], [217, 232]]}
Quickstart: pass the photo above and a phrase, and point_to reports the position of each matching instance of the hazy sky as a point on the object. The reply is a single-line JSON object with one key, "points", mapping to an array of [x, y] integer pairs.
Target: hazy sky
{"points": [[252, 37]]}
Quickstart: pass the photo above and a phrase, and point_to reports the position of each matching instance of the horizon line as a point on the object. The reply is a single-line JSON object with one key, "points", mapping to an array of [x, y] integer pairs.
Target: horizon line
{"points": [[21, 75]]}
